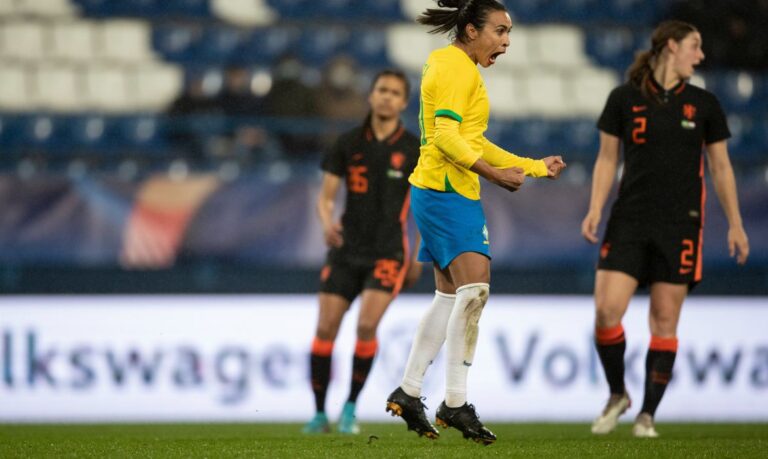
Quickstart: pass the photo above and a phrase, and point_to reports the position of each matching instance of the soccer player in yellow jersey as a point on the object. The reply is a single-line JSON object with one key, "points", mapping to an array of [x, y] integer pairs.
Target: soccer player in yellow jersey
{"points": [[445, 198]]}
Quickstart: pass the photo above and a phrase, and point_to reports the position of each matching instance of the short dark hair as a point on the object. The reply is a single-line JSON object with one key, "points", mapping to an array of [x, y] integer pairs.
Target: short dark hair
{"points": [[463, 12], [399, 74]]}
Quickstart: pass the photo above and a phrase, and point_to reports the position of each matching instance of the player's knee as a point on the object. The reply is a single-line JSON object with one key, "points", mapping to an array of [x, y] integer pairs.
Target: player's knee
{"points": [[473, 297], [366, 330], [326, 332]]}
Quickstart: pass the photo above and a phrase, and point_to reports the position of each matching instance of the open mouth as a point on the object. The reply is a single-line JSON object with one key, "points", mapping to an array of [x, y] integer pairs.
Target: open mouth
{"points": [[495, 56]]}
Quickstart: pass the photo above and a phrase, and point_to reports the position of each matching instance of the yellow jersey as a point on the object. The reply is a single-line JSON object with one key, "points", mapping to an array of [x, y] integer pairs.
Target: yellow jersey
{"points": [[452, 87]]}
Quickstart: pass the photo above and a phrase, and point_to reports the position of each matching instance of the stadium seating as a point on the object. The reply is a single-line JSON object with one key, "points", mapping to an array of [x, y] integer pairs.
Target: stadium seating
{"points": [[97, 74]]}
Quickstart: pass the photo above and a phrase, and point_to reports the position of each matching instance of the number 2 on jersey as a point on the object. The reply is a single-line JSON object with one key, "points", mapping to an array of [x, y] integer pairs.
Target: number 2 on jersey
{"points": [[686, 257], [639, 131]]}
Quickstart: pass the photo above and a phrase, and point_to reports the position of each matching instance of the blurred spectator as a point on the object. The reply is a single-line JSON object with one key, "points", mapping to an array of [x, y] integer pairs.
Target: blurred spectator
{"points": [[339, 97], [195, 100], [733, 31], [291, 98], [241, 105]]}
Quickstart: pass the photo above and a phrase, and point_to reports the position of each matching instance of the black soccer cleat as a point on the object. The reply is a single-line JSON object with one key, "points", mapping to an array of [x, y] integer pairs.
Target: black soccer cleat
{"points": [[464, 418], [411, 409]]}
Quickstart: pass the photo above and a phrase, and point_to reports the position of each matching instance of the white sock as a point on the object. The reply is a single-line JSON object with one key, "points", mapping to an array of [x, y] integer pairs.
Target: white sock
{"points": [[427, 343], [461, 340]]}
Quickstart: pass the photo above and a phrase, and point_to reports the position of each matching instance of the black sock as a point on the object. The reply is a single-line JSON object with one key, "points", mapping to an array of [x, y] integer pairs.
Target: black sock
{"points": [[320, 371], [658, 371], [361, 366], [611, 345]]}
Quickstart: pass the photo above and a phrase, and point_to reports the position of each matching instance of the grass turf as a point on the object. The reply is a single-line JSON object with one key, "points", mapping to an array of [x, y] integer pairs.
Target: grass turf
{"points": [[376, 440]]}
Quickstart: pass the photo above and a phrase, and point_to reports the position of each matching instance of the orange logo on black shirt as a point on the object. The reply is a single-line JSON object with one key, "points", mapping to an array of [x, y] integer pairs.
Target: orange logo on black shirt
{"points": [[689, 111], [605, 249], [396, 160]]}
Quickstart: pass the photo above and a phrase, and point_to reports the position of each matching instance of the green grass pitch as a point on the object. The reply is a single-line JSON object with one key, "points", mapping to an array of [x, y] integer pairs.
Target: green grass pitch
{"points": [[376, 440]]}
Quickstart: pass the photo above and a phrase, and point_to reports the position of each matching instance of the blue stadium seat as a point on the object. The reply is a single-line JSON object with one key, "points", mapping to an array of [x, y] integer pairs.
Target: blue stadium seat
{"points": [[748, 139], [141, 132], [527, 11], [10, 129], [318, 45], [338, 9], [221, 45], [576, 11], [266, 45], [90, 132], [382, 10], [632, 11], [298, 9], [613, 47], [737, 91], [176, 42], [42, 132], [581, 139], [186, 8], [369, 47]]}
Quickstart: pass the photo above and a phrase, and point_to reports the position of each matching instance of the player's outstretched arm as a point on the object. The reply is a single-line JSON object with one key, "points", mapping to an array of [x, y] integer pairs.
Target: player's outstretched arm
{"points": [[725, 187], [551, 166]]}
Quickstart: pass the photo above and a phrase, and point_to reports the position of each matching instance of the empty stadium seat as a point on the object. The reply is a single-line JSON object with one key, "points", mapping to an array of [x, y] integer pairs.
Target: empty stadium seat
{"points": [[546, 95], [176, 42], [266, 45], [588, 90], [580, 139], [140, 132], [220, 45], [73, 41], [558, 46], [518, 53], [7, 8], [157, 86], [90, 132], [14, 90], [58, 88], [244, 12], [107, 89], [318, 45], [737, 91], [46, 8], [369, 47], [22, 40], [408, 46], [611, 46], [506, 93], [126, 40]]}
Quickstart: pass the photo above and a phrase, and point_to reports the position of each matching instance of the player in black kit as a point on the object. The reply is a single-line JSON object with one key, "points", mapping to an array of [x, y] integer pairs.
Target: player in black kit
{"points": [[654, 234], [369, 253]]}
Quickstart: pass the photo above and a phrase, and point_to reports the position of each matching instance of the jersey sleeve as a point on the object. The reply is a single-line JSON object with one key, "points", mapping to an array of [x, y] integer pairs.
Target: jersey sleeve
{"points": [[452, 93], [502, 159], [716, 125], [333, 160], [611, 118]]}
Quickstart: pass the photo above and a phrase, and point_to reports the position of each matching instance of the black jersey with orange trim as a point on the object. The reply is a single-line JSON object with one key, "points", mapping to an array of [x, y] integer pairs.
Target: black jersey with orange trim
{"points": [[663, 177], [377, 201]]}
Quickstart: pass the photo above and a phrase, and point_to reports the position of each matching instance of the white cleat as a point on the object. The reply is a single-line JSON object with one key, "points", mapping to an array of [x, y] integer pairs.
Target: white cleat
{"points": [[643, 427], [609, 419]]}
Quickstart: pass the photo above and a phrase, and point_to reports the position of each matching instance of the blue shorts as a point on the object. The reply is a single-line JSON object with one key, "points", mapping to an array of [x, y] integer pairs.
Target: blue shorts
{"points": [[450, 224]]}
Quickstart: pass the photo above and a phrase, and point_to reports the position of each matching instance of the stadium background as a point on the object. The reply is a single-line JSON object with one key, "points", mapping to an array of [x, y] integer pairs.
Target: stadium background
{"points": [[172, 146]]}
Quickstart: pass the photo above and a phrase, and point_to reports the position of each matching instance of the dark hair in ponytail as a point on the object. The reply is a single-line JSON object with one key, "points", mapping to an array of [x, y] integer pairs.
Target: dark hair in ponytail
{"points": [[641, 70], [460, 13]]}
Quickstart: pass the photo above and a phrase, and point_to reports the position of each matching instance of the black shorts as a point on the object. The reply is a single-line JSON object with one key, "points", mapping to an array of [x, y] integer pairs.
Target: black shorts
{"points": [[663, 252], [350, 279]]}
